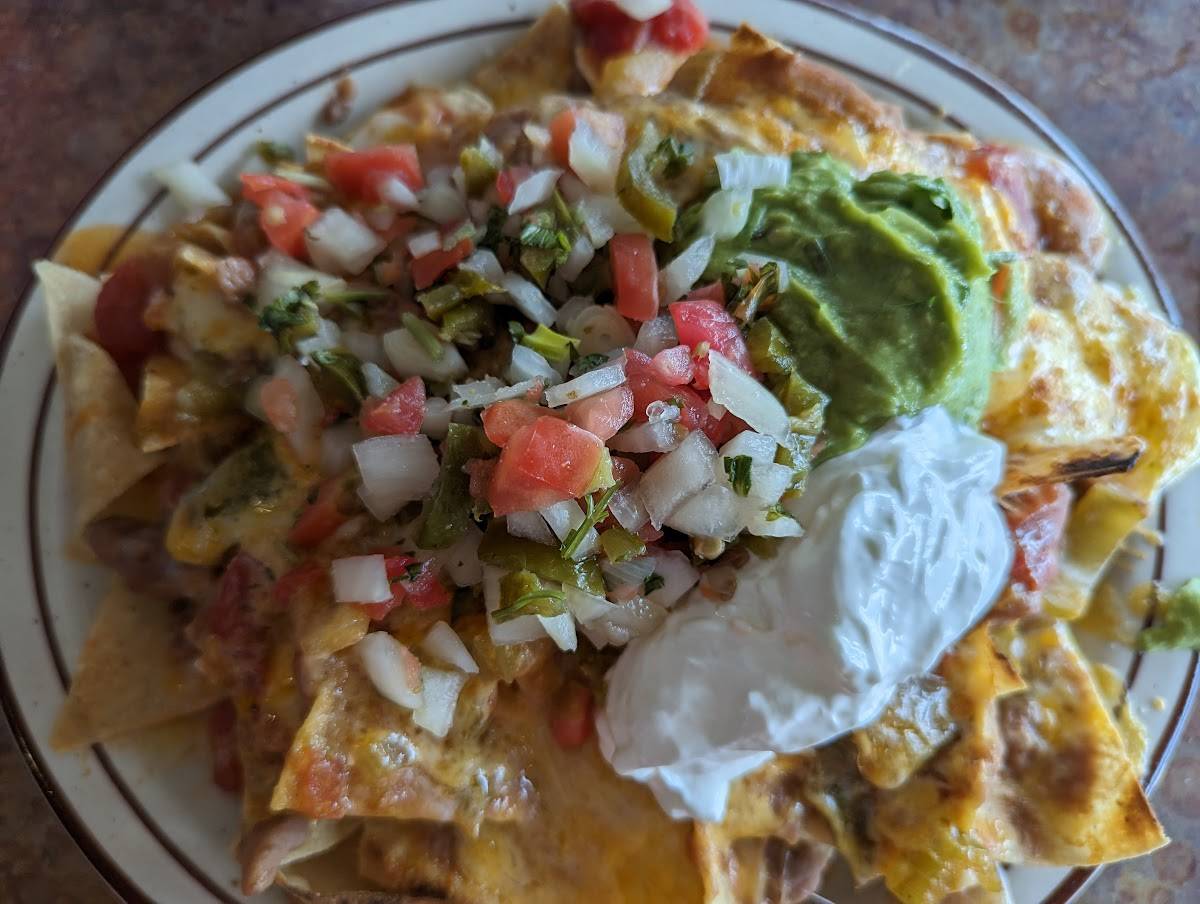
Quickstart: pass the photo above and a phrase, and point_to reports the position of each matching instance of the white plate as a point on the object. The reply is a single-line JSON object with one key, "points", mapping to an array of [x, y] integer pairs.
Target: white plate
{"points": [[150, 821]]}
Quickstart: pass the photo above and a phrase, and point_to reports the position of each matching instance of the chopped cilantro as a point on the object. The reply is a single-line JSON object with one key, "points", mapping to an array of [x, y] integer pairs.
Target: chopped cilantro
{"points": [[594, 513], [671, 157], [293, 315], [273, 153], [654, 581]]}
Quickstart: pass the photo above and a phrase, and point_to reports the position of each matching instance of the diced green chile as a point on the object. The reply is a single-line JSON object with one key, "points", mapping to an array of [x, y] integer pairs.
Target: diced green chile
{"points": [[448, 512], [515, 554]]}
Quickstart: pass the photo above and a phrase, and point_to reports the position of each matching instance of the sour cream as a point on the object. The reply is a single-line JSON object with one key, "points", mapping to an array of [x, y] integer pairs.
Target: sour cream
{"points": [[904, 549]]}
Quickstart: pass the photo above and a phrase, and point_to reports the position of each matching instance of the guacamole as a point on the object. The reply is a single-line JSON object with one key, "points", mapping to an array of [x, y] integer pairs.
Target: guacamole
{"points": [[1178, 624], [887, 306]]}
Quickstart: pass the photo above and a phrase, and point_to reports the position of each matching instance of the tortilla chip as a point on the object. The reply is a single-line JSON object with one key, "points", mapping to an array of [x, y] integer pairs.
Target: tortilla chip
{"points": [[70, 297], [1066, 793], [359, 754], [643, 73], [135, 671], [104, 456], [1066, 464], [538, 63], [916, 723]]}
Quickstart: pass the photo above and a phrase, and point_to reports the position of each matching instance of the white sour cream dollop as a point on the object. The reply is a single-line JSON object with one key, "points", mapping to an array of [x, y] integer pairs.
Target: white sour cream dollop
{"points": [[904, 549]]}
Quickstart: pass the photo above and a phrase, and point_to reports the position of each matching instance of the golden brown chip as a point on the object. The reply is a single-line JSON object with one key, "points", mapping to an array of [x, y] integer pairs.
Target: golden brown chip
{"points": [[1066, 793], [538, 63], [1066, 464], [103, 454], [136, 670]]}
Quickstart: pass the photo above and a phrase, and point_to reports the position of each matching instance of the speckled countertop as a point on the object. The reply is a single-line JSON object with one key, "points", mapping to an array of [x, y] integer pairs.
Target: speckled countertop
{"points": [[81, 80]]}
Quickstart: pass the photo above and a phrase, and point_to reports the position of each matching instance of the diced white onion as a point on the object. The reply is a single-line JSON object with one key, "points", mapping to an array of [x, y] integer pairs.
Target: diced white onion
{"points": [[423, 243], [522, 629], [310, 412], [715, 511], [602, 216], [656, 335], [678, 574], [394, 470], [631, 573], [656, 436], [678, 277], [337, 241], [528, 298], [328, 336], [189, 185], [643, 10], [760, 525], [593, 161], [439, 690], [409, 358], [738, 169], [581, 255], [746, 398], [379, 382], [561, 629], [442, 203], [586, 385], [396, 192], [462, 559], [392, 668], [677, 476], [442, 642], [768, 483], [760, 449], [529, 526], [436, 422], [600, 329], [587, 607], [630, 619], [482, 393], [360, 579], [563, 517], [628, 509], [366, 347], [337, 447], [535, 189], [725, 213], [379, 218], [278, 274], [539, 136], [485, 263], [717, 410], [572, 308], [529, 365]]}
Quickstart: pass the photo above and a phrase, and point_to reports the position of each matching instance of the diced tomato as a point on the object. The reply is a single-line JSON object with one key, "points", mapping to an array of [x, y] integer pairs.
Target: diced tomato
{"points": [[428, 267], [229, 613], [572, 716], [682, 28], [674, 366], [278, 399], [502, 419], [562, 126], [1037, 518], [479, 471], [121, 328], [722, 430], [545, 462], [711, 292], [359, 174], [603, 414], [222, 744], [634, 275], [1003, 169], [706, 325], [257, 188], [283, 219], [400, 414], [321, 518], [419, 586], [646, 389], [625, 469], [296, 581], [508, 180], [607, 29]]}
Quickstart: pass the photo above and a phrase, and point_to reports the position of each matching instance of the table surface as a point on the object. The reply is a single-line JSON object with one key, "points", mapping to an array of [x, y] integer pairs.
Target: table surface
{"points": [[84, 79]]}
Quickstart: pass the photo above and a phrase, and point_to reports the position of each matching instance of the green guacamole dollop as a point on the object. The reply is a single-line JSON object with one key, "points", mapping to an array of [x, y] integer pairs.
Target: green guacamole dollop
{"points": [[1178, 624], [888, 307]]}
